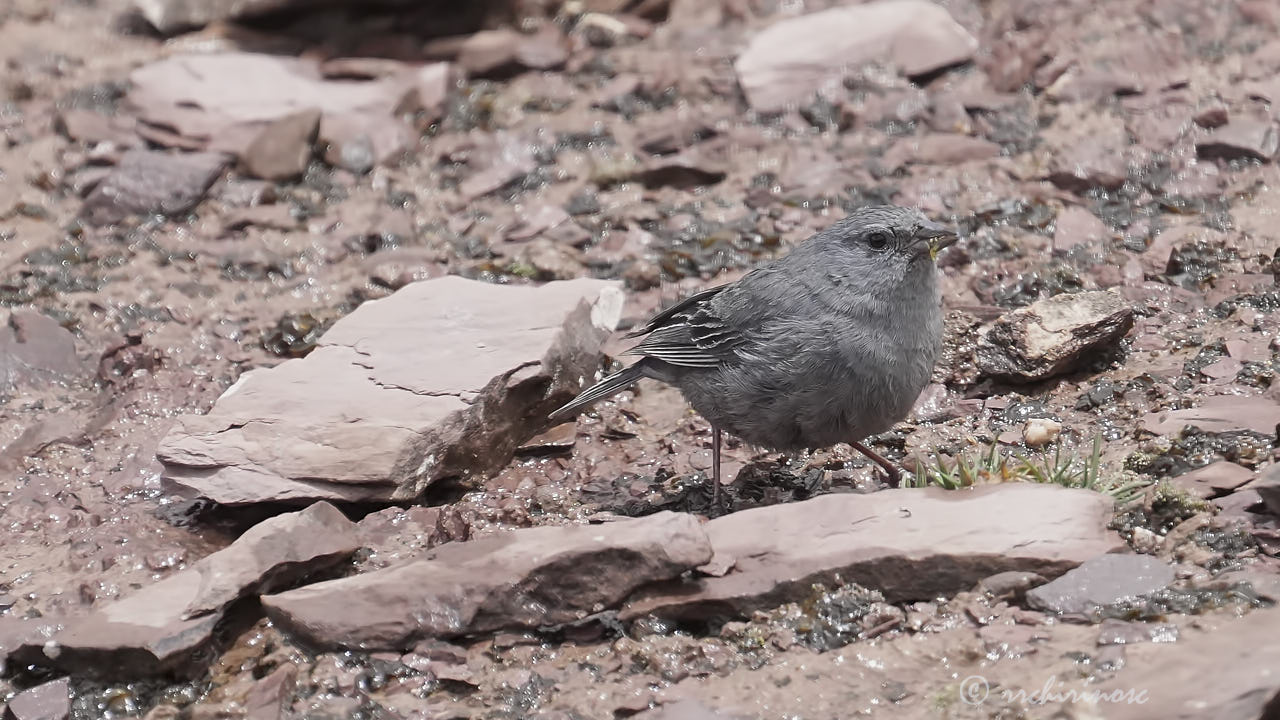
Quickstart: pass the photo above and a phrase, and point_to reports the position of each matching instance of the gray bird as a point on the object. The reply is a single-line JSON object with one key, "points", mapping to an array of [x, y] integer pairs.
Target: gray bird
{"points": [[831, 343]]}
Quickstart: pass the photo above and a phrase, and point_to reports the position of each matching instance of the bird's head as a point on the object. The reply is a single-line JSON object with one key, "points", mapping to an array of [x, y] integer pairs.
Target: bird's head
{"points": [[886, 240]]}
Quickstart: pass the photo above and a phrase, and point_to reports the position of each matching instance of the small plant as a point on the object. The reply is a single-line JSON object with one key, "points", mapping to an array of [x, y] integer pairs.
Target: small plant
{"points": [[990, 466], [522, 270], [994, 465]]}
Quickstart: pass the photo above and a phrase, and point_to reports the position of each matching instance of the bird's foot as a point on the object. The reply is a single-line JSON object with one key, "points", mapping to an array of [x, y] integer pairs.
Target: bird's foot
{"points": [[718, 507], [893, 476]]}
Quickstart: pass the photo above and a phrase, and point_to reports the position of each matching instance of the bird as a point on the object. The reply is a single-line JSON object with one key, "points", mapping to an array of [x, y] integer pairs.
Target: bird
{"points": [[832, 342]]}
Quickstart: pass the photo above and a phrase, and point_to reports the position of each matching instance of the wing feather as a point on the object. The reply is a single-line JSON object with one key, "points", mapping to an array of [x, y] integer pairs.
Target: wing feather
{"points": [[667, 315], [689, 334]]}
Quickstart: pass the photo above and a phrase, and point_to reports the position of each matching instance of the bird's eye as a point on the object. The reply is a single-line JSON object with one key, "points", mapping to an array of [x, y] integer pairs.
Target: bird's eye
{"points": [[878, 240]]}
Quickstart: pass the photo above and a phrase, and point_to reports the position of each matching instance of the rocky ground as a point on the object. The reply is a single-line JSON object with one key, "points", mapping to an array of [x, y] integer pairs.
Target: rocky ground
{"points": [[287, 298]]}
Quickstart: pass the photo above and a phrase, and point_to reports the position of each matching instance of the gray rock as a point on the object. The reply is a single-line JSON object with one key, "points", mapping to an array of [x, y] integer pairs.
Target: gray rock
{"points": [[35, 351], [50, 701], [1052, 336], [163, 627], [523, 578], [148, 182], [793, 58], [1104, 580], [907, 544], [1227, 673], [444, 378]]}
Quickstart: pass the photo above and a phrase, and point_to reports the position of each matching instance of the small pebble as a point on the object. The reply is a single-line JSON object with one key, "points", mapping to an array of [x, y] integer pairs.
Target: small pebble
{"points": [[1145, 541], [1039, 432]]}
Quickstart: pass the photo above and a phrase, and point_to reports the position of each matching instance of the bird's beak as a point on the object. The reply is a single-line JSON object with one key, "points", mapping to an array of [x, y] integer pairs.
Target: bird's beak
{"points": [[937, 237]]}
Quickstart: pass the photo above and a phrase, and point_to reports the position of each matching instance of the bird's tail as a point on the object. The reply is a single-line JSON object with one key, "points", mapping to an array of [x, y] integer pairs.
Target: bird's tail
{"points": [[611, 385]]}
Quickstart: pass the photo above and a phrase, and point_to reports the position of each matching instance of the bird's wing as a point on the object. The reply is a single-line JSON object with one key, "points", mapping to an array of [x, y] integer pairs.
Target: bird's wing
{"points": [[692, 333], [666, 316]]}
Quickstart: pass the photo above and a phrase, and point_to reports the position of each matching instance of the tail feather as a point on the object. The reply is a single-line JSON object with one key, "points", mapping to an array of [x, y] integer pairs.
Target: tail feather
{"points": [[611, 385]]}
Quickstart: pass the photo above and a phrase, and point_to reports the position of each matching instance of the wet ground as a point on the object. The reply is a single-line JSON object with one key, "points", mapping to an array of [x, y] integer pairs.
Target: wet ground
{"points": [[1100, 170]]}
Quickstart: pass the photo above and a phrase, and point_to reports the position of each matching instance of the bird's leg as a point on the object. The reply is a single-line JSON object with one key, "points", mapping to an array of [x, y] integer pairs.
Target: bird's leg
{"points": [[895, 475], [717, 498]]}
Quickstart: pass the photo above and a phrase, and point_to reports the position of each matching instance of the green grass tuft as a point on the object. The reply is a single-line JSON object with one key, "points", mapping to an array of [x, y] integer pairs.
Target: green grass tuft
{"points": [[995, 465]]}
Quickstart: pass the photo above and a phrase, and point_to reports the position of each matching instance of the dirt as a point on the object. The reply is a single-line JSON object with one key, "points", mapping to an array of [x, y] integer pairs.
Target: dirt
{"points": [[167, 313]]}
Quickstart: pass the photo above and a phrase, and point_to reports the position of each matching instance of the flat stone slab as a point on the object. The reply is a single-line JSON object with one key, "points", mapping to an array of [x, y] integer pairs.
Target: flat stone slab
{"points": [[1216, 478], [444, 378], [162, 627], [909, 544], [151, 181], [225, 101], [795, 57], [50, 701], [1221, 413], [1101, 581], [518, 579]]}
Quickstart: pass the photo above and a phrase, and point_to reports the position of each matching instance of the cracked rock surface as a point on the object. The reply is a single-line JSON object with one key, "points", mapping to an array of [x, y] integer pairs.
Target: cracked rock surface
{"points": [[444, 378], [1054, 335]]}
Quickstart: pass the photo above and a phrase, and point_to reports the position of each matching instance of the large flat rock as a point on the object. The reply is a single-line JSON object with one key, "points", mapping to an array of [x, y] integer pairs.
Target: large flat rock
{"points": [[1226, 673], [792, 59], [163, 627], [445, 378], [909, 544], [522, 578], [226, 101]]}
